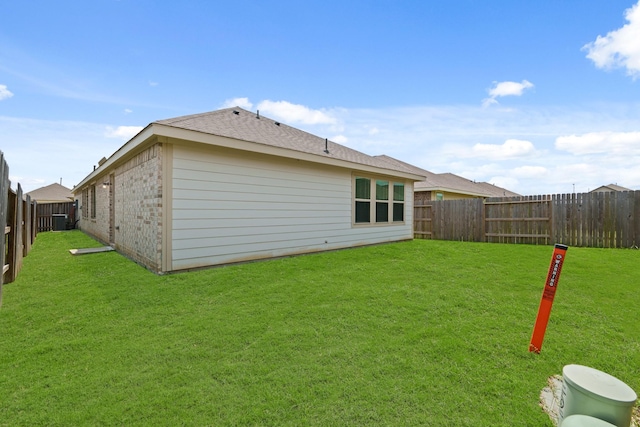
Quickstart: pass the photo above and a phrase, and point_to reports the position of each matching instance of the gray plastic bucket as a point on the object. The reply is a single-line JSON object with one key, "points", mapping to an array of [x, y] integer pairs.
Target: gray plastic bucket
{"points": [[584, 421], [588, 391]]}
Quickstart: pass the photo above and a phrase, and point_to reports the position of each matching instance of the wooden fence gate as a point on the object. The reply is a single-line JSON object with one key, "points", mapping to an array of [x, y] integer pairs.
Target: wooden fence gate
{"points": [[46, 214], [604, 220]]}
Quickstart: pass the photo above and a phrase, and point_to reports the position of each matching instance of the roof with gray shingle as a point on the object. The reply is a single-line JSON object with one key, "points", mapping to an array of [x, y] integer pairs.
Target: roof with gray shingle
{"points": [[241, 129], [53, 193], [450, 182], [610, 187], [240, 124], [495, 191]]}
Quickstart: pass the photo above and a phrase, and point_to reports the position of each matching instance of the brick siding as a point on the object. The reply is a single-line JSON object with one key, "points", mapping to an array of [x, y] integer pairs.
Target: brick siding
{"points": [[135, 188]]}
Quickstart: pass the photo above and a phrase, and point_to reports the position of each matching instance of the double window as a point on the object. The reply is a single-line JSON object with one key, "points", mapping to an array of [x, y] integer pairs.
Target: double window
{"points": [[378, 201]]}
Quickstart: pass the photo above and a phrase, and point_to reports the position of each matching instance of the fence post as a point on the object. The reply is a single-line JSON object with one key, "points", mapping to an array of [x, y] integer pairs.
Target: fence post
{"points": [[19, 232], [13, 231], [34, 221], [27, 213], [636, 219], [483, 218], [4, 193]]}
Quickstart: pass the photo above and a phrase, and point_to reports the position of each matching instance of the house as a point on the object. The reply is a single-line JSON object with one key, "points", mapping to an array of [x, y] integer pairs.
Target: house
{"points": [[55, 208], [609, 188], [54, 193], [447, 186], [230, 186]]}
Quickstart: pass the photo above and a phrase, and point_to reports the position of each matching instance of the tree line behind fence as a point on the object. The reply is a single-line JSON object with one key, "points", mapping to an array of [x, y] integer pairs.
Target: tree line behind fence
{"points": [[601, 220], [18, 220]]}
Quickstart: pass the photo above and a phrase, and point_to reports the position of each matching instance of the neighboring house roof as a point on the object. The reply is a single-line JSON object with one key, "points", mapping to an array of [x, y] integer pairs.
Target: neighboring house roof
{"points": [[610, 187], [54, 193], [252, 132], [451, 183], [495, 191]]}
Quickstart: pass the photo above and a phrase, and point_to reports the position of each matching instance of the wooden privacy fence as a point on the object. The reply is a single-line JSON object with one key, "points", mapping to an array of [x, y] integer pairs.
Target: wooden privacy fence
{"points": [[46, 215], [603, 220], [17, 219]]}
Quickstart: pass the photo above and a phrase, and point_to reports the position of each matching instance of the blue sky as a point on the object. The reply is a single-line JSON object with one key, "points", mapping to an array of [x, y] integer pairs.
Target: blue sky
{"points": [[539, 97]]}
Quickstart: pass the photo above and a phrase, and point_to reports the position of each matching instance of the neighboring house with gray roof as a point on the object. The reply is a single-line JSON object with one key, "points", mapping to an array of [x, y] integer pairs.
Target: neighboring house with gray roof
{"points": [[230, 186], [609, 188], [55, 208], [54, 193], [447, 186]]}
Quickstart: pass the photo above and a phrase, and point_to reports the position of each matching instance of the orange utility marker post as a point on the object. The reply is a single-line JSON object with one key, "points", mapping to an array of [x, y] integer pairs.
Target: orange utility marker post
{"points": [[548, 294]]}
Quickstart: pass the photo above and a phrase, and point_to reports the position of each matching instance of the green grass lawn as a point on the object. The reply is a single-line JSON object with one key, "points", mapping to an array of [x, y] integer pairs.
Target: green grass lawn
{"points": [[415, 333]]}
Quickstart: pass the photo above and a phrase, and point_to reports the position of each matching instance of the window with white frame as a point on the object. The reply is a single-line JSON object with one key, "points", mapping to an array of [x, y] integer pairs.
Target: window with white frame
{"points": [[398, 201], [378, 201]]}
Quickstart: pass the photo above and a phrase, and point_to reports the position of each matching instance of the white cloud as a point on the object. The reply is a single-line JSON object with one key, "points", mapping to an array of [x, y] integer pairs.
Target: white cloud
{"points": [[576, 170], [506, 89], [518, 144], [584, 176], [40, 152], [478, 172], [122, 132], [626, 143], [4, 92], [238, 102], [153, 83], [510, 149], [487, 102], [340, 139], [295, 113], [128, 110], [504, 182], [619, 48], [509, 88], [530, 171], [29, 184]]}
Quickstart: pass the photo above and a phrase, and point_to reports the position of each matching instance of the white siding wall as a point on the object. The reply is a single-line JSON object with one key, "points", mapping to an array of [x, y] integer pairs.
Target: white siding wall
{"points": [[231, 206]]}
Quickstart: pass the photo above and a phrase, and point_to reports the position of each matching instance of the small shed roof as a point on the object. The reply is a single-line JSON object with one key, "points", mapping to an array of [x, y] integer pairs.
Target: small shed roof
{"points": [[54, 193]]}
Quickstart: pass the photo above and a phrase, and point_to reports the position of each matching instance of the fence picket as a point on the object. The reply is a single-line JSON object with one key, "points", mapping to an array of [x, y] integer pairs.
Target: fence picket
{"points": [[45, 212], [610, 220], [16, 219], [4, 192], [635, 217]]}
